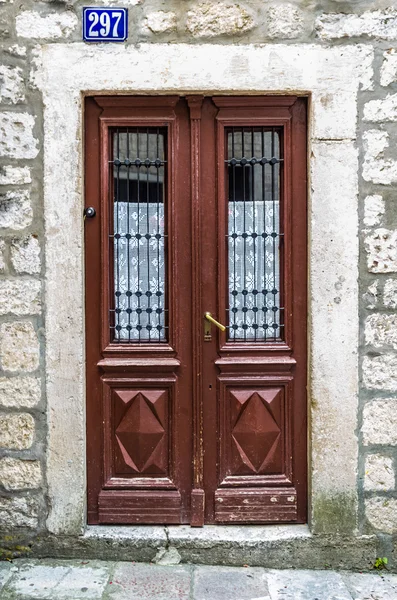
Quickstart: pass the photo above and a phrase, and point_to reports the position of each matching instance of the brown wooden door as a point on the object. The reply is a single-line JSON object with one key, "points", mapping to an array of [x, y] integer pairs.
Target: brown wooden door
{"points": [[200, 208]]}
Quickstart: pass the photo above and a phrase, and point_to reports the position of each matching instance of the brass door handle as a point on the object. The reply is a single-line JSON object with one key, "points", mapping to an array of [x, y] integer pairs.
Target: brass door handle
{"points": [[210, 318]]}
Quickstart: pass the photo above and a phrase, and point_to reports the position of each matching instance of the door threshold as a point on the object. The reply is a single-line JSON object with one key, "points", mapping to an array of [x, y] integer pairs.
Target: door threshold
{"points": [[271, 546], [216, 533]]}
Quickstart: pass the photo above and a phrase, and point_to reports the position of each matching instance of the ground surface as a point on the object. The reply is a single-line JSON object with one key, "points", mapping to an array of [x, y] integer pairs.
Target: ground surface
{"points": [[95, 580]]}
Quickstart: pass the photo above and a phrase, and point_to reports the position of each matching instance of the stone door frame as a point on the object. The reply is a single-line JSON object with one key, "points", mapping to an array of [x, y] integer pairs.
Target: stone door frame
{"points": [[331, 77]]}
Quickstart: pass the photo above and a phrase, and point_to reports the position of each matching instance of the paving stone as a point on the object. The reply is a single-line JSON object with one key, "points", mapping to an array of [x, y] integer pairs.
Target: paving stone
{"points": [[307, 585], [228, 583], [371, 586], [51, 581], [149, 582]]}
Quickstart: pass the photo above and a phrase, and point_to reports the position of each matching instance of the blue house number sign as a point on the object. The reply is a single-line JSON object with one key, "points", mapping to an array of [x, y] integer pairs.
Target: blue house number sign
{"points": [[105, 24]]}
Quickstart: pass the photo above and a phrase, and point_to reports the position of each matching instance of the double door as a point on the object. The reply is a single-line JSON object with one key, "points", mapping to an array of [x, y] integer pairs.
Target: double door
{"points": [[196, 309]]}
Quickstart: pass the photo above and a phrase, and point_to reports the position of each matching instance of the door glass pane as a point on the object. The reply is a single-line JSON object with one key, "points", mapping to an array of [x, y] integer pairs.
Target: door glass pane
{"points": [[139, 232], [253, 168]]}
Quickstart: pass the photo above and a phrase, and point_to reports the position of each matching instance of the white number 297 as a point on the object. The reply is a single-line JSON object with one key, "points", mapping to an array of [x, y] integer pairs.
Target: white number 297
{"points": [[104, 21]]}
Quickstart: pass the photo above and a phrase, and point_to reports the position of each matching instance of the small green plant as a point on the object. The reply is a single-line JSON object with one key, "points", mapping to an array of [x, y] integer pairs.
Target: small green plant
{"points": [[380, 563]]}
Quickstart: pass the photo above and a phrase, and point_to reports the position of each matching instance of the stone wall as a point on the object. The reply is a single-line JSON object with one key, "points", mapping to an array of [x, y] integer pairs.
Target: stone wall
{"points": [[25, 24]]}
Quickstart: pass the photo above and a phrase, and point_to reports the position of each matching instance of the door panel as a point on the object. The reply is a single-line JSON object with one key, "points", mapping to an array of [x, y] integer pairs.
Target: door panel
{"points": [[254, 373], [203, 209], [139, 344]]}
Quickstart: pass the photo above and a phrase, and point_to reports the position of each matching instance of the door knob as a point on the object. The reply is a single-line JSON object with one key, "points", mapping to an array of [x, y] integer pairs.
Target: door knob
{"points": [[211, 319], [89, 212]]}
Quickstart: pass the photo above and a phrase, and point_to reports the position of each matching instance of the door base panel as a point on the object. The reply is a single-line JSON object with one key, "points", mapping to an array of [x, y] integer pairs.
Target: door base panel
{"points": [[197, 507], [256, 506], [139, 507]]}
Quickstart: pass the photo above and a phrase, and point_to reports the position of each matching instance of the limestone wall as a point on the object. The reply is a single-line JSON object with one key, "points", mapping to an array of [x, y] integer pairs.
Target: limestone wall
{"points": [[27, 25]]}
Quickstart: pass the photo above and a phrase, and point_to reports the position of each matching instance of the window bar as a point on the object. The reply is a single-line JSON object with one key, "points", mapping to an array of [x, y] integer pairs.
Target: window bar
{"points": [[254, 233], [138, 236], [244, 244], [117, 320], [128, 239], [234, 242], [264, 290], [148, 292], [158, 238], [274, 324]]}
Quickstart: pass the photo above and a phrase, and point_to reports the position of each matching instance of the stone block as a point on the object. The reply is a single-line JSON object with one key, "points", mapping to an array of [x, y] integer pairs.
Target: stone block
{"points": [[381, 331], [329, 122], [19, 347], [209, 19], [20, 296], [371, 296], [31, 24], [5, 568], [53, 581], [25, 255], [284, 21], [12, 88], [16, 50], [16, 474], [19, 392], [379, 473], [380, 422], [15, 210], [379, 111], [10, 175], [381, 247], [18, 512], [380, 372], [381, 513], [380, 24], [2, 256], [376, 167], [16, 431], [390, 293], [374, 209], [160, 22], [16, 135], [388, 71]]}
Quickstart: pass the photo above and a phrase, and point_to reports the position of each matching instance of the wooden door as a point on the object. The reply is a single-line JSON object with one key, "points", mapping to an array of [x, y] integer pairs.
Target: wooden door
{"points": [[200, 210]]}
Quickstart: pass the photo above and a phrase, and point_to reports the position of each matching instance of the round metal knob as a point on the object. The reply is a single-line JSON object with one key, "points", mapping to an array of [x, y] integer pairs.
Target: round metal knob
{"points": [[89, 212]]}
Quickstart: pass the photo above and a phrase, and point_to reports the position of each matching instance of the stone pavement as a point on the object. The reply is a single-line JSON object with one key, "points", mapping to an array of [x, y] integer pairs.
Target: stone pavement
{"points": [[97, 580]]}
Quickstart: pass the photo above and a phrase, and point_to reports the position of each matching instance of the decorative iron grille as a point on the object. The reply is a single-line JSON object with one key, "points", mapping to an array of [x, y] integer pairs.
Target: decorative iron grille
{"points": [[253, 170], [139, 232]]}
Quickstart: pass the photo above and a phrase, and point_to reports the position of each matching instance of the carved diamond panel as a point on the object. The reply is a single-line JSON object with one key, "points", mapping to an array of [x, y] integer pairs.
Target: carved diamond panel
{"points": [[141, 430], [256, 430]]}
